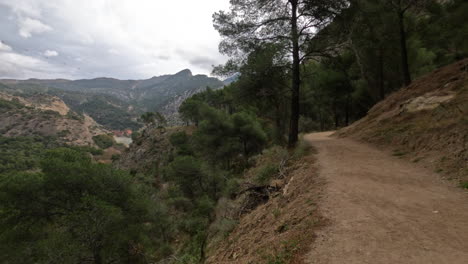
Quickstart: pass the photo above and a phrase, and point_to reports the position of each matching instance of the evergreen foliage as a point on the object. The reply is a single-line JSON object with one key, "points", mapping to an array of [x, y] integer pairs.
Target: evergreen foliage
{"points": [[75, 210], [302, 66], [104, 141]]}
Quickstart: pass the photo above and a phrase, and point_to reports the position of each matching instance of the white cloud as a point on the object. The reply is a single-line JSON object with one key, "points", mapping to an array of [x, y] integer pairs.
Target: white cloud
{"points": [[51, 53], [113, 51], [148, 36], [23, 7], [29, 26], [14, 65], [4, 47]]}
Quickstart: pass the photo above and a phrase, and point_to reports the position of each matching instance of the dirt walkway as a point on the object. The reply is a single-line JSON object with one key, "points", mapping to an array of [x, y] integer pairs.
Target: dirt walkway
{"points": [[385, 210]]}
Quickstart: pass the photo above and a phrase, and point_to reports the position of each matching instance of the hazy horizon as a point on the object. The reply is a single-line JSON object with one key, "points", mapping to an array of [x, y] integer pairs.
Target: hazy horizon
{"points": [[113, 39], [110, 77]]}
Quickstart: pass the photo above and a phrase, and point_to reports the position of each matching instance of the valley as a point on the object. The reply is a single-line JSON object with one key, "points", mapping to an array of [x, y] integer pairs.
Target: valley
{"points": [[317, 132], [117, 104]]}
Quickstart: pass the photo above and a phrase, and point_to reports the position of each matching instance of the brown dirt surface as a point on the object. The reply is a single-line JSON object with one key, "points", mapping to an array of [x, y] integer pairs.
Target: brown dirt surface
{"points": [[426, 122], [383, 209]]}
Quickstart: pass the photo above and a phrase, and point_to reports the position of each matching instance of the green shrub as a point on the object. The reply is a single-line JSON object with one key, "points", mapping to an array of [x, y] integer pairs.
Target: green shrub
{"points": [[91, 202], [307, 124], [115, 157], [104, 141], [9, 105], [181, 141], [93, 151], [284, 255], [225, 226], [464, 185], [266, 173], [302, 149], [50, 113], [232, 187], [75, 116], [63, 133]]}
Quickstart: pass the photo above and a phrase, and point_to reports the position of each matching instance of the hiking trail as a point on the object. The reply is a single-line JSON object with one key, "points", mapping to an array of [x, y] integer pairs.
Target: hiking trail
{"points": [[383, 209]]}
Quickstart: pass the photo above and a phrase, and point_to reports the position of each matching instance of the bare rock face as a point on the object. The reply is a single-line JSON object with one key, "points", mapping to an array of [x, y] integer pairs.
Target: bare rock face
{"points": [[428, 101], [45, 115]]}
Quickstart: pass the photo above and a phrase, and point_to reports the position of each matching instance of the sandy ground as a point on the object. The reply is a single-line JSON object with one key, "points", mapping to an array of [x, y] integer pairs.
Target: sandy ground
{"points": [[385, 210]]}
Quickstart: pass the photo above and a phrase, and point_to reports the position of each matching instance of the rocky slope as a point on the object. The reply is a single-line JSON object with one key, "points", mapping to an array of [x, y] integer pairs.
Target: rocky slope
{"points": [[426, 122], [46, 116]]}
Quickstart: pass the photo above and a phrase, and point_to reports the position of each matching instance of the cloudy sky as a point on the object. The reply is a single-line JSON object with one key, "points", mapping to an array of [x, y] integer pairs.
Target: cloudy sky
{"points": [[125, 39]]}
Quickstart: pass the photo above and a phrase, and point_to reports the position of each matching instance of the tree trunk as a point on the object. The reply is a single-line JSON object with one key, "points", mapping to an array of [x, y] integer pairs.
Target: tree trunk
{"points": [[347, 110], [322, 125], [296, 79], [97, 256], [336, 116], [246, 153], [404, 51], [202, 250], [279, 126], [381, 74]]}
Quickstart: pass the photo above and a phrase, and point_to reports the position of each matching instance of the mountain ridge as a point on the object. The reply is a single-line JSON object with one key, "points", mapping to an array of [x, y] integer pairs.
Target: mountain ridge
{"points": [[181, 72], [130, 98]]}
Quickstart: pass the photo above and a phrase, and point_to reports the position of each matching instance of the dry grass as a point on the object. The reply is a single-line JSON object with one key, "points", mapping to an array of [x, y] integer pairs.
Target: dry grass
{"points": [[280, 230], [435, 137]]}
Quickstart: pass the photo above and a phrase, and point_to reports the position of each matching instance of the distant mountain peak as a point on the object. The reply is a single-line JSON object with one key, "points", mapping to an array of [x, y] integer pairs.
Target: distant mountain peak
{"points": [[185, 72]]}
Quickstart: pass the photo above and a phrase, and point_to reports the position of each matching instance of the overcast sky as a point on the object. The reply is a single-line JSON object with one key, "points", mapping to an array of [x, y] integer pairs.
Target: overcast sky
{"points": [[124, 39]]}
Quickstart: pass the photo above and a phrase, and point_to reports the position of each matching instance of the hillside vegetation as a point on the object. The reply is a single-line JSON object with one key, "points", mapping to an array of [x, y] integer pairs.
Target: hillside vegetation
{"points": [[117, 104], [234, 183]]}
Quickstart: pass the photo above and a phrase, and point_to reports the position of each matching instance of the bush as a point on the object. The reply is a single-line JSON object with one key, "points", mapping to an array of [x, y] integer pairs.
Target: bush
{"points": [[93, 151], [6, 105], [307, 124], [104, 141], [75, 209], [266, 173], [20, 153], [115, 157], [284, 255], [75, 116], [63, 133], [181, 141], [50, 113], [232, 187], [302, 149]]}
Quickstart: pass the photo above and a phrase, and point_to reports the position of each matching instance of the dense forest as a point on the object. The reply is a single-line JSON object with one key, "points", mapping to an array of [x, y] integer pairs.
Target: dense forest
{"points": [[303, 66]]}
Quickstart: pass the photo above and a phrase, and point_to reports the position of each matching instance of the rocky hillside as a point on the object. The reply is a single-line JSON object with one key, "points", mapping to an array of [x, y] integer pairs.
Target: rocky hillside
{"points": [[46, 116], [101, 97], [426, 122], [149, 151]]}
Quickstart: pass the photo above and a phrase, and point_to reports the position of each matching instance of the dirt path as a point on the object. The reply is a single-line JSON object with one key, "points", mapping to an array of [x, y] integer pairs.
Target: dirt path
{"points": [[385, 210]]}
